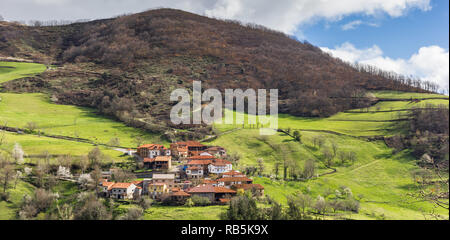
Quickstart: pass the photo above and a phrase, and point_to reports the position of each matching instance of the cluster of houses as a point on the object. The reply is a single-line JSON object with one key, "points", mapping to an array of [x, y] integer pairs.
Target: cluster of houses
{"points": [[184, 170]]}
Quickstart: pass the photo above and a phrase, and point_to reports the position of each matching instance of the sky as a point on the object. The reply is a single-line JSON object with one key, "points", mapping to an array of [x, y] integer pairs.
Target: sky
{"points": [[410, 37]]}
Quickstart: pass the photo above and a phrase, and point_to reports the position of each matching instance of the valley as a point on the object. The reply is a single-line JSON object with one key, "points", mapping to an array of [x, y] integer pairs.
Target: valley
{"points": [[376, 175]]}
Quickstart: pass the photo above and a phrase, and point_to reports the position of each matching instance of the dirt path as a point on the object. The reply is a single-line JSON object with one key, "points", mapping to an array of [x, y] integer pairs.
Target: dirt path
{"points": [[366, 165]]}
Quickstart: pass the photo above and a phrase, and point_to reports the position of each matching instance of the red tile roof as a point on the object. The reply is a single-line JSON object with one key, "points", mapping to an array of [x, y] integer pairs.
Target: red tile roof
{"points": [[181, 194], [152, 146], [207, 188], [190, 144], [107, 184], [202, 158], [235, 179], [222, 161], [121, 185], [199, 162]]}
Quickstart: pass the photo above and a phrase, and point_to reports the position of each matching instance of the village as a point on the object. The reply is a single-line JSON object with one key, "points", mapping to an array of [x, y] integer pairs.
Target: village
{"points": [[185, 170]]}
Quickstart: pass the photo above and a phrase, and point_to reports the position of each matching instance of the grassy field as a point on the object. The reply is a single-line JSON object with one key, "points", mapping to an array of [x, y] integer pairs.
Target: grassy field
{"points": [[17, 110], [53, 119], [8, 209], [381, 179], [405, 95], [358, 122], [184, 213], [13, 70], [34, 146]]}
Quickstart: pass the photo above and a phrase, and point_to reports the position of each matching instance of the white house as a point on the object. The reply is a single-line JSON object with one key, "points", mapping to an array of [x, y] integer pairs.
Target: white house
{"points": [[152, 151], [122, 190], [220, 166], [194, 172]]}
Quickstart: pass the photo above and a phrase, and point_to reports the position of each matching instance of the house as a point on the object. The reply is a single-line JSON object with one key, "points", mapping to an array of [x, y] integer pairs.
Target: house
{"points": [[230, 181], [185, 185], [153, 150], [157, 190], [186, 149], [194, 172], [217, 151], [105, 187], [233, 173], [107, 174], [159, 162], [130, 152], [179, 196], [168, 179], [257, 189], [220, 166], [122, 190], [179, 151], [211, 182], [202, 164], [214, 194]]}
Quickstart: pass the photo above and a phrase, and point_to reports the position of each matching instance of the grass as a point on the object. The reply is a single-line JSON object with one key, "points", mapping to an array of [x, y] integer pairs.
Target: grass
{"points": [[13, 70], [8, 209], [382, 179], [405, 95], [53, 119], [34, 145], [159, 212], [184, 213], [356, 122], [17, 110]]}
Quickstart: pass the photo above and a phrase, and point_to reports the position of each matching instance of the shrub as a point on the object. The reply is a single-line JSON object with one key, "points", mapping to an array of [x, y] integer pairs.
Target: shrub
{"points": [[200, 201]]}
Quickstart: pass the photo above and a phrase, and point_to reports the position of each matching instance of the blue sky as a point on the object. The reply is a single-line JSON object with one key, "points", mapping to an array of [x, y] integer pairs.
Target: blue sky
{"points": [[399, 37]]}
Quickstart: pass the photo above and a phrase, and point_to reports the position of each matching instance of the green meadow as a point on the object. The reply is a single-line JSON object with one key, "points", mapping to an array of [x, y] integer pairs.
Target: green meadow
{"points": [[8, 209], [17, 110], [13, 70], [405, 95], [35, 146], [376, 120], [380, 179]]}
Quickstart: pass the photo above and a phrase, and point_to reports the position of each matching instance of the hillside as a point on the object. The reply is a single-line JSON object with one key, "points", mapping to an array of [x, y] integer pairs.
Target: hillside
{"points": [[377, 137], [378, 176], [127, 66]]}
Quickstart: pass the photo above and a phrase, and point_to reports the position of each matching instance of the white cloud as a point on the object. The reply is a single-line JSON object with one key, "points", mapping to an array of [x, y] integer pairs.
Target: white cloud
{"points": [[430, 63], [282, 15], [353, 24]]}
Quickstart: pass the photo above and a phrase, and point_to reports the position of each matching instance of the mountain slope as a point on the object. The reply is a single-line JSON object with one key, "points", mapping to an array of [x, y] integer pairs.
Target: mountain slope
{"points": [[127, 66]]}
